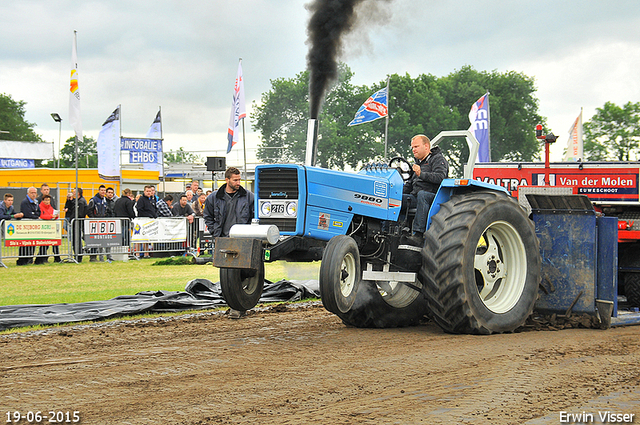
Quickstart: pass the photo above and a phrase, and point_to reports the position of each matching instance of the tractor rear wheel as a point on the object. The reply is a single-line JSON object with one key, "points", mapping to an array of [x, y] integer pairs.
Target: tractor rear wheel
{"points": [[242, 288], [484, 261]]}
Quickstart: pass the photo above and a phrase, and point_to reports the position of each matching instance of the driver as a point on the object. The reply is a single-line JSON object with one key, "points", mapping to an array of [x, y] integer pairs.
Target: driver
{"points": [[430, 169]]}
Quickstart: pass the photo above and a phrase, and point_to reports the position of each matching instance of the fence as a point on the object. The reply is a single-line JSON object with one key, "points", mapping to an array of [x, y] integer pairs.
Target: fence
{"points": [[112, 238]]}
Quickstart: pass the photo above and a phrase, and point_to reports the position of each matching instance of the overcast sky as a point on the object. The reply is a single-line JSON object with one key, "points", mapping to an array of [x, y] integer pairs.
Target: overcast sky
{"points": [[183, 56]]}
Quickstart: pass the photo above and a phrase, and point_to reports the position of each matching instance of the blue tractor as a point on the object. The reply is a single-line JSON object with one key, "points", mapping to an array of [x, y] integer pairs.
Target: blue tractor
{"points": [[477, 272]]}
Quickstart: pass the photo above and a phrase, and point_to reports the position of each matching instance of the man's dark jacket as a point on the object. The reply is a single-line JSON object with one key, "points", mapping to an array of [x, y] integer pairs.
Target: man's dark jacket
{"points": [[215, 209], [30, 209], [124, 207], [433, 169], [146, 208]]}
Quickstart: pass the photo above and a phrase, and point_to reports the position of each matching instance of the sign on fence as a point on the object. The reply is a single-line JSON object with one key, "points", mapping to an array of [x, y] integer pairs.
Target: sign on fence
{"points": [[159, 230], [102, 233], [32, 233]]}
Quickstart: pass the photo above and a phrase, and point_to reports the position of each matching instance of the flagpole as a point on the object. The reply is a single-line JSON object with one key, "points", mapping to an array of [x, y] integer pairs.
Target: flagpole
{"points": [[489, 125], [120, 153], [164, 183], [386, 122], [244, 145]]}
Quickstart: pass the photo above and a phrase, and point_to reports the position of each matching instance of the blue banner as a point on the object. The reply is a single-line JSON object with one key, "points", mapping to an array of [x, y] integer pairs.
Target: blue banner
{"points": [[17, 163], [142, 151]]}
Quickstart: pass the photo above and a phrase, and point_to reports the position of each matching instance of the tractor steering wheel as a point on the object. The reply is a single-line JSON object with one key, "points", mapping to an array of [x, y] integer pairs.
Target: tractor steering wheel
{"points": [[402, 165]]}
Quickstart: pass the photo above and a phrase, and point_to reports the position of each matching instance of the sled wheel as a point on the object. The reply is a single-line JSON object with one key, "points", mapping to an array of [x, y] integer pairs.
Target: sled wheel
{"points": [[632, 288], [402, 165], [340, 274], [242, 288], [485, 264]]}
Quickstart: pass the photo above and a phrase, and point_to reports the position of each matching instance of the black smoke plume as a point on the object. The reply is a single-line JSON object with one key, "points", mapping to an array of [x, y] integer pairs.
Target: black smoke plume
{"points": [[329, 21]]}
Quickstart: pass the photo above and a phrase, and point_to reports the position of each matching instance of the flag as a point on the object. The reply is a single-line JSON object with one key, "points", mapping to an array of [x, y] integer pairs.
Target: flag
{"points": [[574, 144], [479, 119], [74, 92], [108, 145], [373, 108], [155, 132], [238, 110]]}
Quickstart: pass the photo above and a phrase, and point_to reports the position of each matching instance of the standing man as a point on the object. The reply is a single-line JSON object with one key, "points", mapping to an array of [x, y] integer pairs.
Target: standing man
{"points": [[97, 208], [124, 205], [6, 208], [230, 204], [146, 205], [45, 190], [29, 209], [163, 206], [77, 228], [430, 169], [110, 199]]}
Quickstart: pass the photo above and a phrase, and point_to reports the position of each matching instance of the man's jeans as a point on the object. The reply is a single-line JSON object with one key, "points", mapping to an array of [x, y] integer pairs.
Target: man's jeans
{"points": [[422, 203]]}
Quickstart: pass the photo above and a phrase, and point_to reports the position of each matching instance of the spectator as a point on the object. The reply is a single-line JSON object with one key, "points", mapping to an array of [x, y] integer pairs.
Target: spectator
{"points": [[29, 209], [45, 190], [183, 209], [146, 205], [47, 213], [228, 205], [97, 208], [6, 208], [195, 185], [189, 194], [124, 205], [198, 205], [164, 206], [68, 206], [124, 209], [110, 199], [77, 227]]}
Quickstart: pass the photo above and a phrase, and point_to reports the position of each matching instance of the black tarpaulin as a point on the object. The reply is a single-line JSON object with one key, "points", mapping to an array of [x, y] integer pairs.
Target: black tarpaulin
{"points": [[199, 294]]}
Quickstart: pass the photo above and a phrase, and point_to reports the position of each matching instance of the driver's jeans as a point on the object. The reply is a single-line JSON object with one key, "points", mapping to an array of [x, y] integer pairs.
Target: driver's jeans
{"points": [[421, 202]]}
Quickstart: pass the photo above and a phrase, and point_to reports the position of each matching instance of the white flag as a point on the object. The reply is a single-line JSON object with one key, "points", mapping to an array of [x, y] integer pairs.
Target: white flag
{"points": [[155, 132], [108, 145], [74, 92], [238, 110], [574, 144]]}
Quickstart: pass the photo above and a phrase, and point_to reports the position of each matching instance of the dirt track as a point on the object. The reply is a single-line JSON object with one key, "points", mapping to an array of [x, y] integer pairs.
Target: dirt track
{"points": [[302, 365]]}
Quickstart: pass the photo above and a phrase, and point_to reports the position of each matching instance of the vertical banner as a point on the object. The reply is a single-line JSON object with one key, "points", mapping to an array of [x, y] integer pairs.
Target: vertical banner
{"points": [[574, 144], [238, 110], [479, 119], [74, 92], [109, 147], [155, 132]]}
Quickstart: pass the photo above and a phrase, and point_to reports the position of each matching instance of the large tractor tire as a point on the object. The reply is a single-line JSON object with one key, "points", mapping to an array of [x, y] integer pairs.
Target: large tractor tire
{"points": [[242, 288], [481, 264], [361, 303], [632, 288]]}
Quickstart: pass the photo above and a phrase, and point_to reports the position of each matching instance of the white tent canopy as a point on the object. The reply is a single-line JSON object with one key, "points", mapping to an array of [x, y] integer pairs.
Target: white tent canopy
{"points": [[25, 150]]}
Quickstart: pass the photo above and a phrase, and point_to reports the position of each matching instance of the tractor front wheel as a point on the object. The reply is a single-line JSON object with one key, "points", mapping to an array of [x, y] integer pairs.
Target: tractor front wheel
{"points": [[242, 288]]}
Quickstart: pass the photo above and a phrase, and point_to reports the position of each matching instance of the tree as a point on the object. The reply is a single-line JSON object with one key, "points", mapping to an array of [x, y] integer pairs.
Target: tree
{"points": [[613, 133], [87, 153], [181, 157], [422, 105], [12, 121]]}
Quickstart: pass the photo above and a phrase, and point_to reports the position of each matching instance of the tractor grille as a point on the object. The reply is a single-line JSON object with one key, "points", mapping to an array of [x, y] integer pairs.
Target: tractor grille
{"points": [[278, 183]]}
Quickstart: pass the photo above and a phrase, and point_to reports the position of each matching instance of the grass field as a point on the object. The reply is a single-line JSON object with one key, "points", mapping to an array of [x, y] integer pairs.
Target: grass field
{"points": [[54, 283]]}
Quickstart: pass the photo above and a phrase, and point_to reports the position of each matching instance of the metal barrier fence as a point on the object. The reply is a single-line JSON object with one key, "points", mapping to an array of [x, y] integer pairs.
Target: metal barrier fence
{"points": [[102, 239]]}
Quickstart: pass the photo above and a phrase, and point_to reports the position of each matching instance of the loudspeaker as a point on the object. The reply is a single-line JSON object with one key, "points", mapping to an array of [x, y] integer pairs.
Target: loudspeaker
{"points": [[216, 163]]}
